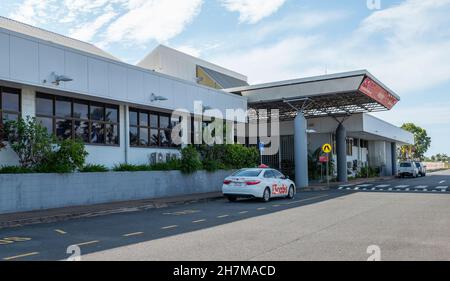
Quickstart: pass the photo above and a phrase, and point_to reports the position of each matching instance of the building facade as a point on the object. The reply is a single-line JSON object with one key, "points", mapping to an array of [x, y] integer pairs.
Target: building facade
{"points": [[123, 112]]}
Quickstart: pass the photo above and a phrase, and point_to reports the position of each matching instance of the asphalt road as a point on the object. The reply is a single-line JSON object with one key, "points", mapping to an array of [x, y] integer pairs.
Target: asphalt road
{"points": [[405, 223]]}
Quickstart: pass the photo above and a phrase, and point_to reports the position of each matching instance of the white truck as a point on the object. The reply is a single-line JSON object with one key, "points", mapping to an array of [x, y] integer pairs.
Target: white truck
{"points": [[408, 169]]}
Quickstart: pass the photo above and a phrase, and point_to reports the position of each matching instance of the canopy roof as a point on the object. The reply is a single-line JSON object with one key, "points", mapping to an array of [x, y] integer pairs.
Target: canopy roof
{"points": [[328, 95]]}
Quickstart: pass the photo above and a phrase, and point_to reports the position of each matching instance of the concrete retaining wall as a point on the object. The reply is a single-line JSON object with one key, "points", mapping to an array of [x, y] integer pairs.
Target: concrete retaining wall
{"points": [[29, 192]]}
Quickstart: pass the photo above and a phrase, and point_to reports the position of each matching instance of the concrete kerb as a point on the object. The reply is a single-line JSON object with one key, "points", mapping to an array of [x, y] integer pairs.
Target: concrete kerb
{"points": [[78, 212]]}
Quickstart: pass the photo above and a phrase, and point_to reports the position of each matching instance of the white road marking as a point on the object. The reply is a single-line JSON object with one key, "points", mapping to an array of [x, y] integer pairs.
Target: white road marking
{"points": [[422, 186], [21, 256], [390, 189], [133, 234], [60, 231], [169, 227], [88, 243], [364, 185], [198, 221], [442, 187], [341, 187], [441, 182], [356, 188], [383, 185], [402, 186], [407, 189], [373, 188], [243, 212], [222, 216]]}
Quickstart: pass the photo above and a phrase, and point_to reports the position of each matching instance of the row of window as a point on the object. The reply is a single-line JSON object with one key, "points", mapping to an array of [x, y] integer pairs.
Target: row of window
{"points": [[92, 122], [151, 128]]}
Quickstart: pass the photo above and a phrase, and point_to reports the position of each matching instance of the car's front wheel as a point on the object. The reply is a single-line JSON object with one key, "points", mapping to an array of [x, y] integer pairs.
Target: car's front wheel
{"points": [[266, 195], [291, 193]]}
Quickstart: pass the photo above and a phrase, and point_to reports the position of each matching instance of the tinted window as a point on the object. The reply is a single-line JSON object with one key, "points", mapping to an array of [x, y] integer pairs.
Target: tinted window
{"points": [[143, 119], [247, 173], [133, 118], [405, 165], [80, 111], [153, 121], [44, 106], [418, 165], [63, 108], [111, 114], [269, 174], [164, 122], [277, 174], [97, 113], [10, 101]]}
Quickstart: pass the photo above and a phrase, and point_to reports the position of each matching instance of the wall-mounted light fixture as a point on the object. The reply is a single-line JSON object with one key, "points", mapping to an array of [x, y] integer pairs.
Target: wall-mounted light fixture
{"points": [[57, 79], [154, 98]]}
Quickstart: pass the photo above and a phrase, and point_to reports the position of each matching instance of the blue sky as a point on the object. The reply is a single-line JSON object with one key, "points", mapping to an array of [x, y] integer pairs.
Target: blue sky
{"points": [[406, 44]]}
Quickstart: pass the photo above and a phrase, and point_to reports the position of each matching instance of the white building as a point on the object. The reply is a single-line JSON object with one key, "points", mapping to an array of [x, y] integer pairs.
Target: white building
{"points": [[123, 112]]}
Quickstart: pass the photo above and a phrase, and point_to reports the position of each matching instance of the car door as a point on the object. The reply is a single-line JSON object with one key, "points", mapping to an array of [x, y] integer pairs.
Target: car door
{"points": [[271, 182], [283, 187]]}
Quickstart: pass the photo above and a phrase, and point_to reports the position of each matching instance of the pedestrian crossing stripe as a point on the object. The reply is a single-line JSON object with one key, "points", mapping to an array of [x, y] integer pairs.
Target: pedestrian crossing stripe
{"points": [[442, 187], [364, 185], [422, 186], [402, 186], [383, 185]]}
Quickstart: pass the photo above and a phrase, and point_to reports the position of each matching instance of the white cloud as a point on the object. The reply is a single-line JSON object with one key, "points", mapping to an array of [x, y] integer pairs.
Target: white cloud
{"points": [[406, 46], [33, 11], [86, 31], [252, 11], [160, 20]]}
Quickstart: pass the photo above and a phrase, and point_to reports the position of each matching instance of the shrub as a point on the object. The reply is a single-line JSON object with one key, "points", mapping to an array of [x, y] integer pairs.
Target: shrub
{"points": [[131, 168], [15, 170], [94, 168], [190, 160], [167, 166], [239, 156], [211, 165], [68, 156], [29, 140]]}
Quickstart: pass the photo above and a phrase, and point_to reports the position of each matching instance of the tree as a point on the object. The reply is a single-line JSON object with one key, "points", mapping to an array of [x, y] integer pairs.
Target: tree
{"points": [[422, 141], [29, 140]]}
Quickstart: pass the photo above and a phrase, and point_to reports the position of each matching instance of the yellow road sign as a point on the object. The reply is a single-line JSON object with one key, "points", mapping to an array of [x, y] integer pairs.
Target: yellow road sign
{"points": [[326, 148]]}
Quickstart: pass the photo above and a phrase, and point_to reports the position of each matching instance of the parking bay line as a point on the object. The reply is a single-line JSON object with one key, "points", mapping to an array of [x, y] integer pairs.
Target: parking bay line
{"points": [[60, 231], [21, 256], [133, 234], [87, 243], [169, 227], [223, 216], [199, 221], [243, 212]]}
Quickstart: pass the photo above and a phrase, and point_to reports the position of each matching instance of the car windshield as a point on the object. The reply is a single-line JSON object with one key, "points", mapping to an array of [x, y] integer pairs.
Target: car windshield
{"points": [[247, 173], [405, 165]]}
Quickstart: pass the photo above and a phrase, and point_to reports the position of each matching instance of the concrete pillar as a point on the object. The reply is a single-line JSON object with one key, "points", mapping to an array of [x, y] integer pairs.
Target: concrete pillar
{"points": [[394, 158], [301, 151], [341, 153]]}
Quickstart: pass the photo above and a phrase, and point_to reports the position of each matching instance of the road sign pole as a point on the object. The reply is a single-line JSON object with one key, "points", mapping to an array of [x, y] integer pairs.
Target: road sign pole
{"points": [[328, 178]]}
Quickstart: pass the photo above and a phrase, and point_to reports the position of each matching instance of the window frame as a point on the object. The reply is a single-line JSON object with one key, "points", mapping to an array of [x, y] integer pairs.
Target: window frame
{"points": [[89, 119], [149, 127], [12, 91]]}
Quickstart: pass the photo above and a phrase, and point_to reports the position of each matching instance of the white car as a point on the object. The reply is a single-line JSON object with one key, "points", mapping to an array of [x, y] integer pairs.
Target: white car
{"points": [[263, 183], [408, 168]]}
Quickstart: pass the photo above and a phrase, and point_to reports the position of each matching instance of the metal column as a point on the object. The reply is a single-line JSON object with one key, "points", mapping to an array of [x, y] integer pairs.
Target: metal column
{"points": [[301, 151], [341, 153], [394, 158]]}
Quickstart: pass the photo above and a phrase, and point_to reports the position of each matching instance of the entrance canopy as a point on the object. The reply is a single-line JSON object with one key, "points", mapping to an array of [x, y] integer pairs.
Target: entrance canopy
{"points": [[327, 95]]}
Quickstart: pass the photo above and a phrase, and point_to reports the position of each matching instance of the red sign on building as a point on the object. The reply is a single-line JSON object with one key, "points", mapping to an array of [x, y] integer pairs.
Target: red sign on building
{"points": [[376, 92]]}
